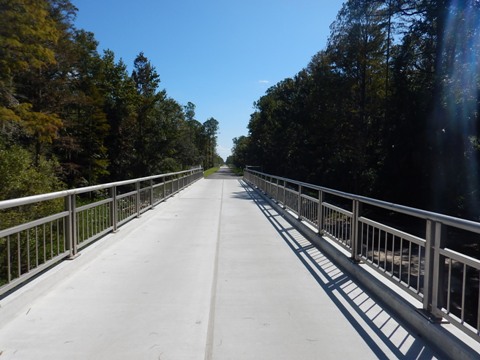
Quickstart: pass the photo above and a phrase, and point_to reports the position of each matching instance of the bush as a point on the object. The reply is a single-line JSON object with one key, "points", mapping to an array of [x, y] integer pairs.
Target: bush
{"points": [[20, 178]]}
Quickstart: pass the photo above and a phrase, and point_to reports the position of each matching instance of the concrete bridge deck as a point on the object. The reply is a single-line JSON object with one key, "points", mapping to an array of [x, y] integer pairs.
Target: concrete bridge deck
{"points": [[213, 273]]}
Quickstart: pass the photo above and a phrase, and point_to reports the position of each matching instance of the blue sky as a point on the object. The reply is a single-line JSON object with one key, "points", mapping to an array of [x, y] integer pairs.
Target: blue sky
{"points": [[221, 55]]}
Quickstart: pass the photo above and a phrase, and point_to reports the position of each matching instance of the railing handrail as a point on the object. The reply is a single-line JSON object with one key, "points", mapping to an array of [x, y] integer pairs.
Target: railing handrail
{"points": [[34, 241], [423, 266], [5, 204], [468, 225]]}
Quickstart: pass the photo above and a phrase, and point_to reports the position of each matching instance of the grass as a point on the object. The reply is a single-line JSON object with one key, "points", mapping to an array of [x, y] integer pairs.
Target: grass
{"points": [[236, 171], [210, 171]]}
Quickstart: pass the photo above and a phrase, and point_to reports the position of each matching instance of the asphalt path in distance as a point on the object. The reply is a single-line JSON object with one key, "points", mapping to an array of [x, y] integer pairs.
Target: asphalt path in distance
{"points": [[224, 173]]}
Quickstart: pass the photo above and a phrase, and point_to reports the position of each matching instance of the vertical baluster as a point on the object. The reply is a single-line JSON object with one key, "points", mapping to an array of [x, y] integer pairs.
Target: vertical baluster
{"points": [[378, 246], [327, 218], [449, 285], [93, 222], [19, 255], [385, 251], [82, 215], [58, 237], [400, 269], [9, 269], [51, 240], [36, 246], [419, 267], [28, 249], [152, 198], [409, 262], [137, 197], [340, 230], [393, 255], [364, 245], [81, 221], [44, 243], [368, 241], [464, 284], [319, 212], [478, 304]]}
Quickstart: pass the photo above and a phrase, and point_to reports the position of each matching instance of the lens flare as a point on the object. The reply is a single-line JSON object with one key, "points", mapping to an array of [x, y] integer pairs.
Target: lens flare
{"points": [[457, 128]]}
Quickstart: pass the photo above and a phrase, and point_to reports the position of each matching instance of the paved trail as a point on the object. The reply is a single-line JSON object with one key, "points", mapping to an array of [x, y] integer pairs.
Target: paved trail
{"points": [[213, 273]]}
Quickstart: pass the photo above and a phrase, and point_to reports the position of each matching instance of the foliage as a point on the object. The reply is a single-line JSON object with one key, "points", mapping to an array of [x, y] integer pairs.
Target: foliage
{"points": [[389, 109], [210, 171], [63, 103], [21, 177]]}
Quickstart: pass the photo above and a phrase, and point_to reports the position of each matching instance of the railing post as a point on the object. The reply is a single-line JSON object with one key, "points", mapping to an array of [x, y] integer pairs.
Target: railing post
{"points": [[114, 208], [68, 224], [320, 212], [355, 229], [71, 226], [434, 273]]}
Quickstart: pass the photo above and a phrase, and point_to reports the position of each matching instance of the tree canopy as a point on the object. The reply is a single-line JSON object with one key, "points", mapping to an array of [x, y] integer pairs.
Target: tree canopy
{"points": [[388, 109], [76, 117]]}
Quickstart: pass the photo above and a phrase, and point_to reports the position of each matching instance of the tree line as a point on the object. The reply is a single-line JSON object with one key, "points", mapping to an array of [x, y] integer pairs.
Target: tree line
{"points": [[389, 109], [70, 116]]}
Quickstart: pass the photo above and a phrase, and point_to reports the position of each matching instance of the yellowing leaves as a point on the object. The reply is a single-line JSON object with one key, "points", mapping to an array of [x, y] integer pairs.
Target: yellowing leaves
{"points": [[40, 125], [27, 33]]}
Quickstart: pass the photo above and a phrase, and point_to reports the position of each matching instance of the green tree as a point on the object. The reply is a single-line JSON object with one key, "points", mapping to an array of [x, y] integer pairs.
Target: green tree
{"points": [[146, 81], [81, 147], [27, 33], [28, 38], [357, 47], [240, 157], [120, 108], [210, 129]]}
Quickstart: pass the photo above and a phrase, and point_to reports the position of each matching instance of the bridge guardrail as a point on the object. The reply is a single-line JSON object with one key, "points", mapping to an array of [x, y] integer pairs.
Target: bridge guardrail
{"points": [[408, 246], [38, 231]]}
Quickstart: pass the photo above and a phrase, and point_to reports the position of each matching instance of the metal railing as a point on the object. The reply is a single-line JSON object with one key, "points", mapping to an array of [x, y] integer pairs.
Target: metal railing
{"points": [[38, 231], [422, 252]]}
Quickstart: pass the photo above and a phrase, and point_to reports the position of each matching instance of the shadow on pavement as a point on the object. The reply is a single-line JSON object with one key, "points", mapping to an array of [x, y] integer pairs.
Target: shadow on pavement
{"points": [[366, 314]]}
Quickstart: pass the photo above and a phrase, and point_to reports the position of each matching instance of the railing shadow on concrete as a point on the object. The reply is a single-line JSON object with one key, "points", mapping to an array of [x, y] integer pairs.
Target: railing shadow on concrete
{"points": [[419, 252], [367, 316]]}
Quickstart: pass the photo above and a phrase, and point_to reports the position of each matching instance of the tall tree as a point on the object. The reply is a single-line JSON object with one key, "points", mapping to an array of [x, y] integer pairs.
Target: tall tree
{"points": [[210, 129], [120, 109], [146, 81], [81, 147], [357, 50], [28, 37]]}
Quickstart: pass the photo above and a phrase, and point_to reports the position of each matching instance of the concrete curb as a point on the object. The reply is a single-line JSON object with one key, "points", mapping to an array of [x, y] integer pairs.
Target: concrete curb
{"points": [[441, 339]]}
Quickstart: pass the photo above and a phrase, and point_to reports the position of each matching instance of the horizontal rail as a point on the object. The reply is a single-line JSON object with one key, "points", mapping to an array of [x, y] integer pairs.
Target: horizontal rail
{"points": [[444, 280], [61, 194], [42, 230]]}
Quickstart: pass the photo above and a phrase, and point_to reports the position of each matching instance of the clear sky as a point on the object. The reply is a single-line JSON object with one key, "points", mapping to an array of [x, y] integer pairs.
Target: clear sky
{"points": [[221, 55]]}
